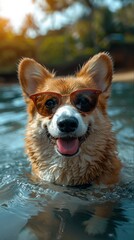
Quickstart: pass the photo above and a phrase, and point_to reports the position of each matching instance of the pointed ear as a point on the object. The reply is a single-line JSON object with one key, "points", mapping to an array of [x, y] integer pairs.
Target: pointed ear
{"points": [[100, 69], [31, 74]]}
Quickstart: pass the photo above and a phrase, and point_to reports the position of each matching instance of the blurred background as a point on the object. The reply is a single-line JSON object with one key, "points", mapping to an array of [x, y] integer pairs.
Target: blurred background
{"points": [[64, 34]]}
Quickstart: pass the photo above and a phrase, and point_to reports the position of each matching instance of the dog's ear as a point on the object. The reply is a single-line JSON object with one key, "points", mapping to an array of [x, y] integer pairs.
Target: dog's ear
{"points": [[31, 75], [100, 69]]}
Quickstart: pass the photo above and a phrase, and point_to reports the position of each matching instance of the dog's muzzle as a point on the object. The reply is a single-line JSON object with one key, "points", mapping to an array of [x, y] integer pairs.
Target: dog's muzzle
{"points": [[68, 143]]}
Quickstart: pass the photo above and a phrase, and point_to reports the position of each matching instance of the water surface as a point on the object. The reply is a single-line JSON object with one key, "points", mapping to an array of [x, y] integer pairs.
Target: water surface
{"points": [[34, 210]]}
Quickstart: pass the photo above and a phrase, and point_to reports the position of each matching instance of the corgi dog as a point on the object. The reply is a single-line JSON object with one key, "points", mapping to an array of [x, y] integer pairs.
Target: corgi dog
{"points": [[69, 139]]}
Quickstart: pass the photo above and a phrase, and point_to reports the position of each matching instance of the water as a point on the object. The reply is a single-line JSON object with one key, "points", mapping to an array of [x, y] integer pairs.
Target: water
{"points": [[34, 210]]}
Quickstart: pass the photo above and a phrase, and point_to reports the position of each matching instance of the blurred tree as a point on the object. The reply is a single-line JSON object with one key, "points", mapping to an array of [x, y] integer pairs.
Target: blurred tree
{"points": [[5, 28], [125, 2], [124, 17], [102, 25], [51, 6], [73, 40], [29, 26], [12, 47]]}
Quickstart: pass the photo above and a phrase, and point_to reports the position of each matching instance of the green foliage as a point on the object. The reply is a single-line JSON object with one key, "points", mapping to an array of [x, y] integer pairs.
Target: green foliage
{"points": [[73, 43], [124, 18], [53, 50], [60, 50], [12, 50]]}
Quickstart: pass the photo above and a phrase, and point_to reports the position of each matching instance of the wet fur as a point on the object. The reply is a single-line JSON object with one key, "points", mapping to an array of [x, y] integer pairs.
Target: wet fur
{"points": [[97, 161]]}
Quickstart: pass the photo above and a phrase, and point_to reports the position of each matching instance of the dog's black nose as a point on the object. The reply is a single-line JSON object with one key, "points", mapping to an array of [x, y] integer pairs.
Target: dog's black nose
{"points": [[67, 124]]}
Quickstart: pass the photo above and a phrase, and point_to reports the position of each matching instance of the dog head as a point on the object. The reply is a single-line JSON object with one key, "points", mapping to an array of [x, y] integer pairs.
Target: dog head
{"points": [[67, 115]]}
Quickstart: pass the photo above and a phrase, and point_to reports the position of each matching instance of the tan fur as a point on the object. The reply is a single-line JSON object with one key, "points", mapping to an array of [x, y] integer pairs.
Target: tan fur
{"points": [[97, 161]]}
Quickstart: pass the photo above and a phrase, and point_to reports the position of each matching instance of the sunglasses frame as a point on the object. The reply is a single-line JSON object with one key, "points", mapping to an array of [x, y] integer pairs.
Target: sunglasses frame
{"points": [[60, 96]]}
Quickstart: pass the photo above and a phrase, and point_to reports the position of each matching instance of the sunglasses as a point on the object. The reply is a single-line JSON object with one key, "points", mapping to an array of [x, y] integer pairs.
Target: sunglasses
{"points": [[84, 100]]}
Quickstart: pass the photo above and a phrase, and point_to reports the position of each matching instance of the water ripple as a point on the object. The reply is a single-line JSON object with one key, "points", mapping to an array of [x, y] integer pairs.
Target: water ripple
{"points": [[24, 199]]}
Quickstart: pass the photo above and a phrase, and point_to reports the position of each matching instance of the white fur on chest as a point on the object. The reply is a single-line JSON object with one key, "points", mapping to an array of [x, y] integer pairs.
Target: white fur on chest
{"points": [[64, 169]]}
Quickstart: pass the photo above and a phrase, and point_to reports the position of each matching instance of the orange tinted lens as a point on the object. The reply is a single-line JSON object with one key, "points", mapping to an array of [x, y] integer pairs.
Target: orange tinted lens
{"points": [[84, 100], [46, 103]]}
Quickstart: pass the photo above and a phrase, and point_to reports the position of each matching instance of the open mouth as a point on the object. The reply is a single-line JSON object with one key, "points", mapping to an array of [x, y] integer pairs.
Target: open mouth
{"points": [[68, 146]]}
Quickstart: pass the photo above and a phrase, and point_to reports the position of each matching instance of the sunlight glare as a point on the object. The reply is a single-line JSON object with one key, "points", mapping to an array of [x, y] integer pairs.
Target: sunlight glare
{"points": [[15, 11]]}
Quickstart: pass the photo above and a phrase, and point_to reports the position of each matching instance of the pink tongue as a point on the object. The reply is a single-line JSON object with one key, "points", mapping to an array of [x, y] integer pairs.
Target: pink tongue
{"points": [[67, 146]]}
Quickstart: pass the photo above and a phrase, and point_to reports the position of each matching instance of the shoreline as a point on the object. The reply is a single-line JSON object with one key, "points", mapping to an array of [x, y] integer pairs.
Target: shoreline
{"points": [[122, 76], [126, 76]]}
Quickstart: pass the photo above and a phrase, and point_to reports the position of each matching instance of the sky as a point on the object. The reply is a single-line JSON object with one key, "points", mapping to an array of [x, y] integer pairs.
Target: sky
{"points": [[16, 10]]}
